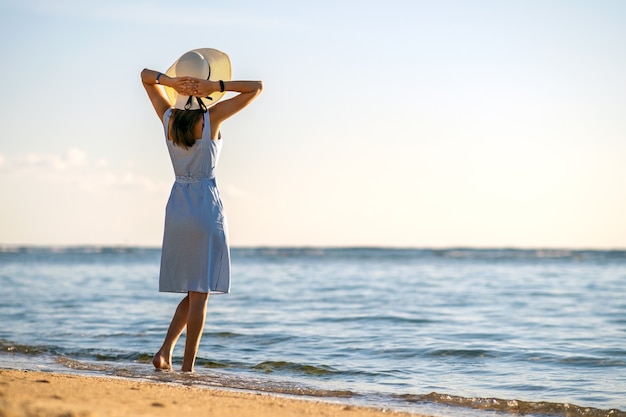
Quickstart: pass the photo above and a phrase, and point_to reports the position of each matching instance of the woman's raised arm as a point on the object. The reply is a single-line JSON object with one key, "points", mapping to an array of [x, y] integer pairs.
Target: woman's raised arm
{"points": [[151, 79], [248, 91]]}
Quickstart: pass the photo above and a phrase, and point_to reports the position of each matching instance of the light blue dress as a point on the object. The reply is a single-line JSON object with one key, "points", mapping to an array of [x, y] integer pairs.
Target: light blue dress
{"points": [[195, 254]]}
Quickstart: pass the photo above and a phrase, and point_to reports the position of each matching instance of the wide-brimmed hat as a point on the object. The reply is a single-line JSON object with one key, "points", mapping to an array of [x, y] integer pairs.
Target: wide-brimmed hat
{"points": [[203, 63]]}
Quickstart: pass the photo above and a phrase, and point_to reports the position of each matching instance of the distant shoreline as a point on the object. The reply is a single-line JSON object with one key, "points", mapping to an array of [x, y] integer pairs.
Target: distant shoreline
{"points": [[96, 247]]}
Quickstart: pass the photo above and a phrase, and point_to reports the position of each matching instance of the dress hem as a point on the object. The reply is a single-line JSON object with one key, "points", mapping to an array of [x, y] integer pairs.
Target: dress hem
{"points": [[212, 292]]}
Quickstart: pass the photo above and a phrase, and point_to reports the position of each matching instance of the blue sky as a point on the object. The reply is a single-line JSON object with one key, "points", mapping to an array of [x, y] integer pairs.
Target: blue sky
{"points": [[397, 123]]}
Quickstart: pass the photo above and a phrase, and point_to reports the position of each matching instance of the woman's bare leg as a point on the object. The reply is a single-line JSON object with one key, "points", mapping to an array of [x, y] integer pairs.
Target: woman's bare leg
{"points": [[163, 358], [195, 325]]}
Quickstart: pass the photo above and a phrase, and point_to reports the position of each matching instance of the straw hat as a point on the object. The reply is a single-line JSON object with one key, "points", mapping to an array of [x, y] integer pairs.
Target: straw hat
{"points": [[204, 63]]}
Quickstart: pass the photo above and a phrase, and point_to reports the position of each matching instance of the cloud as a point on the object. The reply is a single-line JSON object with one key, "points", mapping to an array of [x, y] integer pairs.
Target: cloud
{"points": [[72, 158], [72, 198], [74, 168], [235, 192]]}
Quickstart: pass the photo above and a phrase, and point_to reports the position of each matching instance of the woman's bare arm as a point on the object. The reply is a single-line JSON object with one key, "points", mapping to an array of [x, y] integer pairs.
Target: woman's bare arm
{"points": [[248, 91], [158, 98]]}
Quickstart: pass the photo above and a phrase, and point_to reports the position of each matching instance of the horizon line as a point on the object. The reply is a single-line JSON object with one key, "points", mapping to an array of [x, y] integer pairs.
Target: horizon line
{"points": [[5, 247]]}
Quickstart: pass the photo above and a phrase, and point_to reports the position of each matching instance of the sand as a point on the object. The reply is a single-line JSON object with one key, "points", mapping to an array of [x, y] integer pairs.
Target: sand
{"points": [[42, 394]]}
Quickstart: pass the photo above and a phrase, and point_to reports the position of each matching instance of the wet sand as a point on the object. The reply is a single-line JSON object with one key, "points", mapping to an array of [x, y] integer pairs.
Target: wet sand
{"points": [[42, 394]]}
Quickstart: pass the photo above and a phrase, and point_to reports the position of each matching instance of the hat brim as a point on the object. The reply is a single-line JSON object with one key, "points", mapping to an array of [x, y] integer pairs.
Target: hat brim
{"points": [[220, 69]]}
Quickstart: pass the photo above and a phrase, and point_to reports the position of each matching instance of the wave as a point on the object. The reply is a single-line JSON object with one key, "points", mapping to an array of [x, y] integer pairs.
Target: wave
{"points": [[9, 347], [513, 406], [371, 318], [604, 359], [282, 377], [273, 366], [462, 353]]}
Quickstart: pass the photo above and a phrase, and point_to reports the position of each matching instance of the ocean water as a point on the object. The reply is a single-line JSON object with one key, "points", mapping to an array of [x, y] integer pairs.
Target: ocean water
{"points": [[465, 332]]}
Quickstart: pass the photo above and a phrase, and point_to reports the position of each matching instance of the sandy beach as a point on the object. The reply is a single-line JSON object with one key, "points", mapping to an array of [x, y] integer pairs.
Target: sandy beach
{"points": [[41, 394]]}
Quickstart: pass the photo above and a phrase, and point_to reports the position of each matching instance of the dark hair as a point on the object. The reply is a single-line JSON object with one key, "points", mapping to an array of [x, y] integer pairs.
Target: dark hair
{"points": [[183, 122]]}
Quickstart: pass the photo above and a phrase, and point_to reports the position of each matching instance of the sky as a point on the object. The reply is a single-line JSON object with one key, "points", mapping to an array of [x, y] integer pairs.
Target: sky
{"points": [[394, 123]]}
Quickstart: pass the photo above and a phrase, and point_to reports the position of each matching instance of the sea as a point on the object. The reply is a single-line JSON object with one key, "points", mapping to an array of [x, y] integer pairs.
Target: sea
{"points": [[444, 332]]}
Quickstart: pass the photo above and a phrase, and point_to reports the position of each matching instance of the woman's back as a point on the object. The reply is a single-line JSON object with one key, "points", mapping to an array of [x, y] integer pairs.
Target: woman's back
{"points": [[198, 161]]}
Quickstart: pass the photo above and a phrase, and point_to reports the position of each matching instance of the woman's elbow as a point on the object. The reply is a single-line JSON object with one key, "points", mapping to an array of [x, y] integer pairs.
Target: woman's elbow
{"points": [[144, 74]]}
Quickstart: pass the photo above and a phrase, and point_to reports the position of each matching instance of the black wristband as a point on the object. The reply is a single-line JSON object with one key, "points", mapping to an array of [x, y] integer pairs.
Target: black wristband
{"points": [[221, 86], [157, 78]]}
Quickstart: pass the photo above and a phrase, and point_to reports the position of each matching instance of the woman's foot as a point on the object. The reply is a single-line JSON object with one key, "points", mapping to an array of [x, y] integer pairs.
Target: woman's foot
{"points": [[162, 361]]}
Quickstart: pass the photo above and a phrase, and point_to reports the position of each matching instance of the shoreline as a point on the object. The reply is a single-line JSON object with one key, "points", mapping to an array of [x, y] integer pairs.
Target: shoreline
{"points": [[47, 394]]}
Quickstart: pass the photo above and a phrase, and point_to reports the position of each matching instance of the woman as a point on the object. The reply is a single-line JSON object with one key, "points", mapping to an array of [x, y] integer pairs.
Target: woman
{"points": [[195, 257]]}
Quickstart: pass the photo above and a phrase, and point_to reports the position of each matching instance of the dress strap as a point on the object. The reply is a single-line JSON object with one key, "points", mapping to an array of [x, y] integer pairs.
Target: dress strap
{"points": [[206, 132], [166, 121], [206, 129]]}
